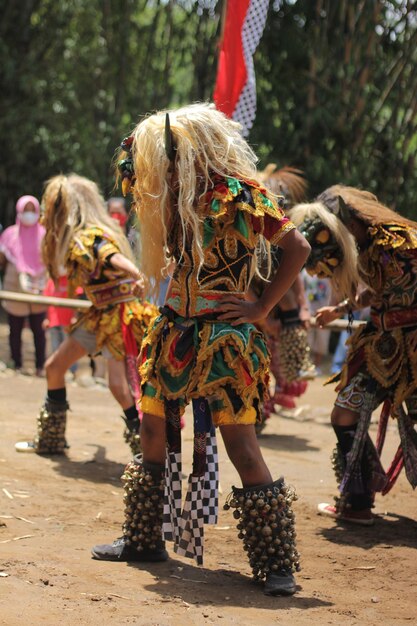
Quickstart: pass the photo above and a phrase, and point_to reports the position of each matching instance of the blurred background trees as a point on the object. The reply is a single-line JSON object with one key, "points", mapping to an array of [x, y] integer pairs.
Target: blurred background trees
{"points": [[336, 82]]}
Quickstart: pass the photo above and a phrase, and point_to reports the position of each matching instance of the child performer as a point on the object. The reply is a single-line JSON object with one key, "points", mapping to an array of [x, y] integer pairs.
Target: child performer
{"points": [[356, 239], [81, 235], [194, 184]]}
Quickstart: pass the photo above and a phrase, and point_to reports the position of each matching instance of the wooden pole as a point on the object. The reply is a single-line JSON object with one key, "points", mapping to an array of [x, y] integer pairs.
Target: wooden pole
{"points": [[30, 298], [336, 325]]}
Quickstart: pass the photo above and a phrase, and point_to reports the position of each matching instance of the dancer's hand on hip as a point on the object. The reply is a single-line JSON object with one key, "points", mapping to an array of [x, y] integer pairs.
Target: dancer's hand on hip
{"points": [[239, 311]]}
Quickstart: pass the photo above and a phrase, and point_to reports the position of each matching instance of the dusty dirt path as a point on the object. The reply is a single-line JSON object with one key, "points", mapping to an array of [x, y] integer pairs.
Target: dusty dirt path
{"points": [[53, 510]]}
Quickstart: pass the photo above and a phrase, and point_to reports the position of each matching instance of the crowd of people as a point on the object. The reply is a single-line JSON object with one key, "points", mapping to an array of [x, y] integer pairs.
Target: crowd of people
{"points": [[222, 249]]}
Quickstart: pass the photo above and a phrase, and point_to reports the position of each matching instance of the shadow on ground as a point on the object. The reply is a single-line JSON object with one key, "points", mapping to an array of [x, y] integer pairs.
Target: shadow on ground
{"points": [[97, 469], [390, 530], [230, 588]]}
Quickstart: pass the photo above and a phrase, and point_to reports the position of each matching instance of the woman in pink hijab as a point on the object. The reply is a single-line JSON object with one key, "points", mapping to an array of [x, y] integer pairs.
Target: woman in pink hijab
{"points": [[20, 258]]}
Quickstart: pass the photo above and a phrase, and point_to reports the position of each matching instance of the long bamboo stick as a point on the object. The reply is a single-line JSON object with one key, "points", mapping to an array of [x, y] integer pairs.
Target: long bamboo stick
{"points": [[30, 298], [337, 325]]}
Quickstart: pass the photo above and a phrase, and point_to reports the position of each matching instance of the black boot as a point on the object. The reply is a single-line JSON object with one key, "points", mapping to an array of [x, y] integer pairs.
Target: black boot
{"points": [[142, 530], [266, 526], [350, 501], [50, 438], [349, 507], [131, 434]]}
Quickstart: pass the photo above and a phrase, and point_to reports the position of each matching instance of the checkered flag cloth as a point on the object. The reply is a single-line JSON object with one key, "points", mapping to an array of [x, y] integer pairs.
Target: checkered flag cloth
{"points": [[191, 541], [235, 90], [211, 481], [173, 474], [185, 525], [172, 513], [253, 28]]}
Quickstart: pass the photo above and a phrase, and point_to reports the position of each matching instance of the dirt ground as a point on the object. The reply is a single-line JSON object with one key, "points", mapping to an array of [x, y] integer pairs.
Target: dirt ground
{"points": [[52, 510]]}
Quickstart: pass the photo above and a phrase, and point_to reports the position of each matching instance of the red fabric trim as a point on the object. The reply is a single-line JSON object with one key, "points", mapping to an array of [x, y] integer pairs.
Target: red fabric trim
{"points": [[231, 72], [394, 470], [131, 348]]}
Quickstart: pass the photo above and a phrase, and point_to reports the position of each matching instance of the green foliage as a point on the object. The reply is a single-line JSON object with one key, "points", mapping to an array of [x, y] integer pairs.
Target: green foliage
{"points": [[337, 95], [336, 81]]}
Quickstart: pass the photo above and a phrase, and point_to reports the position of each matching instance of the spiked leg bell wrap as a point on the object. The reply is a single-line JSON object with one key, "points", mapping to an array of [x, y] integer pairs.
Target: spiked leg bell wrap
{"points": [[266, 526], [339, 467], [144, 501], [52, 421], [131, 435]]}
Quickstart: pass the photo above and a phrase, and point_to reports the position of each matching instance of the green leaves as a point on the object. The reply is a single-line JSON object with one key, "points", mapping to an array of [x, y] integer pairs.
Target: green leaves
{"points": [[336, 83]]}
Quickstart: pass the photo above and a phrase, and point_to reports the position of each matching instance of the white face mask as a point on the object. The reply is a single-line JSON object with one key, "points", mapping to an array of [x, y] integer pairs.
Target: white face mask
{"points": [[27, 218]]}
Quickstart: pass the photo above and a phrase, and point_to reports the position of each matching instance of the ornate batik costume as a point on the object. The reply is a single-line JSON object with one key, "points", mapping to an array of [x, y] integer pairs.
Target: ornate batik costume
{"points": [[116, 318], [188, 355], [355, 239], [114, 324], [382, 359], [213, 228]]}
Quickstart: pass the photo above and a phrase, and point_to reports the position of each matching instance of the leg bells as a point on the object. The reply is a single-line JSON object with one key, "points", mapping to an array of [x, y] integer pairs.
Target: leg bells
{"points": [[50, 437], [266, 524], [131, 435], [142, 530]]}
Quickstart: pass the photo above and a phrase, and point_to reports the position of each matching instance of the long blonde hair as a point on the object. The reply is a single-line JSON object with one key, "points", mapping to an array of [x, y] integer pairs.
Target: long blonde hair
{"points": [[345, 278], [72, 204], [207, 143]]}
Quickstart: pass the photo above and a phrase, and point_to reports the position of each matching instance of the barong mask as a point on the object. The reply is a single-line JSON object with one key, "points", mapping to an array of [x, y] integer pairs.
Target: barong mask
{"points": [[336, 205], [325, 253]]}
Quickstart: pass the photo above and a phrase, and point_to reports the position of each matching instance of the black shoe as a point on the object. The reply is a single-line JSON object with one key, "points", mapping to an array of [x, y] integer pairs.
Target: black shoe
{"points": [[281, 583], [119, 551]]}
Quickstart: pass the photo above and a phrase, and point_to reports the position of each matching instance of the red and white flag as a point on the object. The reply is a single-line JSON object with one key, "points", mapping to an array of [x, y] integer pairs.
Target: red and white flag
{"points": [[235, 91]]}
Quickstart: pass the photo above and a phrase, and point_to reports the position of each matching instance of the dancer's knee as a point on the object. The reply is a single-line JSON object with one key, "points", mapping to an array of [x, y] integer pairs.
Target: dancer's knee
{"points": [[343, 417]]}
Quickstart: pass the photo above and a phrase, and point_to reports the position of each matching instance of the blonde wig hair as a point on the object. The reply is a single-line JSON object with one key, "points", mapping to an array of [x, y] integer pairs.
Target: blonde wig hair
{"points": [[345, 278], [167, 193], [72, 204]]}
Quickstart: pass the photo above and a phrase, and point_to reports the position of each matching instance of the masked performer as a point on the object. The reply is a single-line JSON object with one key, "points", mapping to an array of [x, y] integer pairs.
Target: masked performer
{"points": [[82, 237], [198, 200], [357, 240], [286, 326]]}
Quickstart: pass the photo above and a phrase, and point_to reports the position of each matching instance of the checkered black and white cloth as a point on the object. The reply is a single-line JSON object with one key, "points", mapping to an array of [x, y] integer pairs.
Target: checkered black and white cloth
{"points": [[252, 30], [184, 525]]}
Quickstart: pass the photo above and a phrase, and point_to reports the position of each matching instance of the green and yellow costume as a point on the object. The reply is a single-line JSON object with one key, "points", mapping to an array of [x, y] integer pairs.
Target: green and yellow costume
{"points": [[115, 311], [188, 354]]}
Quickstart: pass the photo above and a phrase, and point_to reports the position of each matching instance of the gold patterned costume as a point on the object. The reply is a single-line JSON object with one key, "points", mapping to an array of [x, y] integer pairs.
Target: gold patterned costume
{"points": [[187, 353], [385, 346], [115, 310]]}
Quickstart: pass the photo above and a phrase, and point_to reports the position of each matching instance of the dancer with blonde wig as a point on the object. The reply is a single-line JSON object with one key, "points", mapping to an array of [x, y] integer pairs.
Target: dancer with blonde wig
{"points": [[194, 183], [84, 240], [370, 254]]}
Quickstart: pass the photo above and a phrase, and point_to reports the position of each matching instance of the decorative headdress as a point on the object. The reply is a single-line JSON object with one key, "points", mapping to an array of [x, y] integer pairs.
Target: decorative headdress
{"points": [[125, 166]]}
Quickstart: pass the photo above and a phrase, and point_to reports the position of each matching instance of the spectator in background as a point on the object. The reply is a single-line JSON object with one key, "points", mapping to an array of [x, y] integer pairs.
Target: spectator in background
{"points": [[59, 318], [318, 293], [117, 210], [24, 271]]}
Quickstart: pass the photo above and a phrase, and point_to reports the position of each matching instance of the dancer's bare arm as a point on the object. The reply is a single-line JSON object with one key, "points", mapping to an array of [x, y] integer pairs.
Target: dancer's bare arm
{"points": [[238, 311], [120, 262]]}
